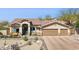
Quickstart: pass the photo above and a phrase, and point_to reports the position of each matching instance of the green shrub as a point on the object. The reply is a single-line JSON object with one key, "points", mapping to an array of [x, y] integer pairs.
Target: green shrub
{"points": [[25, 38], [77, 24]]}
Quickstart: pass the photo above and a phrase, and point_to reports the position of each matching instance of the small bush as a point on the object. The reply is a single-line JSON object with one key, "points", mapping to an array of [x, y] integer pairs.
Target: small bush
{"points": [[25, 38], [5, 43], [15, 47], [36, 38], [29, 43], [1, 33]]}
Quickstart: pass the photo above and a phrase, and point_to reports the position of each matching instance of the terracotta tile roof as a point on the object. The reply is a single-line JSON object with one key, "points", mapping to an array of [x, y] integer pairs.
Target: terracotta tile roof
{"points": [[19, 20], [16, 21], [36, 21], [56, 22]]}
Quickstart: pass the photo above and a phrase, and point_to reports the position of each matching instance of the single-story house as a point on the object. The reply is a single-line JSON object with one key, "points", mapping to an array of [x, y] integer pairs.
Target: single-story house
{"points": [[45, 28]]}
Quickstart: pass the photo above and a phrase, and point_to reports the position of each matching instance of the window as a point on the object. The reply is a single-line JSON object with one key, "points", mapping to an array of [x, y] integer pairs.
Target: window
{"points": [[17, 30], [33, 28], [14, 30]]}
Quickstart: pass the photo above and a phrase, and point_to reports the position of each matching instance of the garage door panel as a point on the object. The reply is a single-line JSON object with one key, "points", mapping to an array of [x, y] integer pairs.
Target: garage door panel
{"points": [[72, 31], [63, 32], [52, 32]]}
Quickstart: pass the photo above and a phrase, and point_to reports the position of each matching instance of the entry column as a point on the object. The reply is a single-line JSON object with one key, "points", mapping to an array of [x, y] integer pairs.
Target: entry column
{"points": [[10, 30], [20, 29], [68, 31], [28, 29], [59, 31]]}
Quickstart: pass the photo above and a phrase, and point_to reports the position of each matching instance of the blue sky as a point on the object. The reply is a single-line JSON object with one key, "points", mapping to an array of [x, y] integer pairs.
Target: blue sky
{"points": [[12, 13]]}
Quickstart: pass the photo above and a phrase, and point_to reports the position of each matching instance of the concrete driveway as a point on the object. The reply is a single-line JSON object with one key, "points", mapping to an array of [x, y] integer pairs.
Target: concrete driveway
{"points": [[61, 42]]}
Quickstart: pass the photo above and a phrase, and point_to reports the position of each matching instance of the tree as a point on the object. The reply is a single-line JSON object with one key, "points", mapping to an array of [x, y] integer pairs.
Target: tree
{"points": [[48, 17], [69, 16], [77, 24], [4, 23], [40, 18]]}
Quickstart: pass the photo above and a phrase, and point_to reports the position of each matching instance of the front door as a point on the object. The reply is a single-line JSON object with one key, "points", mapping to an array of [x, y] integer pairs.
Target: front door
{"points": [[24, 29]]}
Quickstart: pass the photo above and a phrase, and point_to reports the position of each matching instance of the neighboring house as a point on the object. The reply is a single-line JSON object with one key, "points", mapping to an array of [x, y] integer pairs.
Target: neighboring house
{"points": [[45, 28]]}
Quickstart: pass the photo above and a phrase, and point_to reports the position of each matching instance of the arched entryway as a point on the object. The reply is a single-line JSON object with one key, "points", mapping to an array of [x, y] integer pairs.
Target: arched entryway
{"points": [[24, 29]]}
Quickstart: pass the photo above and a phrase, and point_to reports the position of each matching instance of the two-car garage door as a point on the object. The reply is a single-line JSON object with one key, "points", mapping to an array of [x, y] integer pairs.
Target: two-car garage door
{"points": [[55, 32]]}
